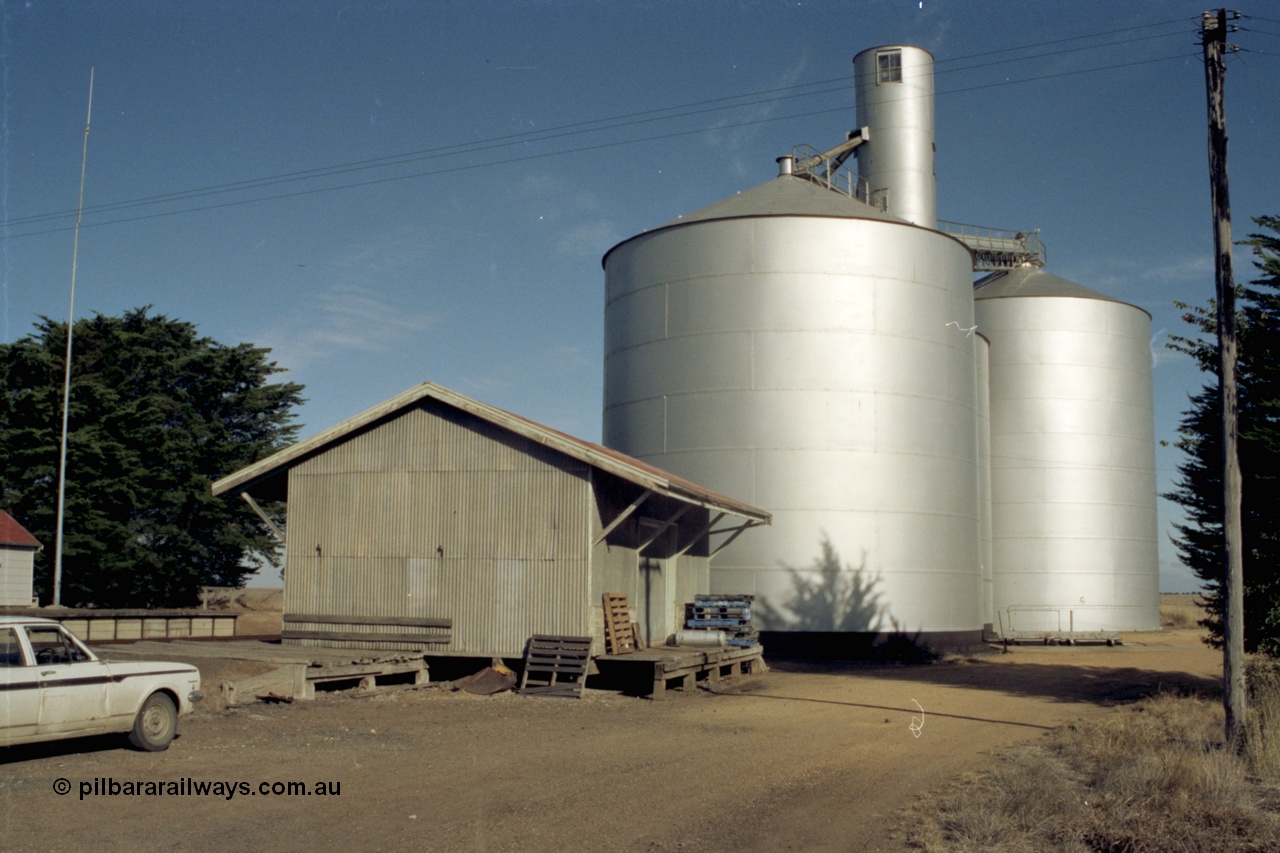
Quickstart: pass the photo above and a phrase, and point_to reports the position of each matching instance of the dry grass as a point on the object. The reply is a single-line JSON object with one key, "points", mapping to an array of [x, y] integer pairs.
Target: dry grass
{"points": [[1181, 610], [1156, 776], [259, 608], [1263, 739]]}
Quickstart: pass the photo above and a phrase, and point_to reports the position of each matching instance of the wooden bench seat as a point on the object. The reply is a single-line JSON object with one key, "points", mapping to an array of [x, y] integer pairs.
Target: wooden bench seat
{"points": [[363, 629]]}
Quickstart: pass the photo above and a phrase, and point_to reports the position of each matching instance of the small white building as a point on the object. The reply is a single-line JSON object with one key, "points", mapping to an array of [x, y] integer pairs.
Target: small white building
{"points": [[17, 557]]}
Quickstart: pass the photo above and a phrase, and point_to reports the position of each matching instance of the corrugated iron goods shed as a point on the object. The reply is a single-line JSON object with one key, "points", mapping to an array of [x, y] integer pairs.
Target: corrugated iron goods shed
{"points": [[447, 524]]}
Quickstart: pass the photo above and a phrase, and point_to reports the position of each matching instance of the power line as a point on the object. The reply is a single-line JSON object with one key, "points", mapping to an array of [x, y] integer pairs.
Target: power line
{"points": [[1261, 81], [1069, 73], [581, 149], [1064, 51], [444, 171], [1062, 40], [578, 150], [425, 154], [562, 131], [557, 132]]}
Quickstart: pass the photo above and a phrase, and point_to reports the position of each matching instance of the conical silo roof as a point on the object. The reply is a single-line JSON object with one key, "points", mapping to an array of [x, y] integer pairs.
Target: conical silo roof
{"points": [[786, 195], [1033, 281]]}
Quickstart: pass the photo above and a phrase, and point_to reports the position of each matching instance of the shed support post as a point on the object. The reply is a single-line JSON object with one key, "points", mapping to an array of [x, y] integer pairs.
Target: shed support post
{"points": [[623, 516], [737, 531], [271, 525], [701, 533], [658, 532]]}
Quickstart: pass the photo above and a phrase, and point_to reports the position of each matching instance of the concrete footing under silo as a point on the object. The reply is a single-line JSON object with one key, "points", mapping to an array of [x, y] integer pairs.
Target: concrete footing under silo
{"points": [[877, 646]]}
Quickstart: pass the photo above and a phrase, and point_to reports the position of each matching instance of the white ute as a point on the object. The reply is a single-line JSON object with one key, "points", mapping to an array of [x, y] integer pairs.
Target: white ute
{"points": [[52, 687]]}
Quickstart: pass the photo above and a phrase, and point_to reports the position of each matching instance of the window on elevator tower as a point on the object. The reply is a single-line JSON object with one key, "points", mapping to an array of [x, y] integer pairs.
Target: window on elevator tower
{"points": [[889, 66]]}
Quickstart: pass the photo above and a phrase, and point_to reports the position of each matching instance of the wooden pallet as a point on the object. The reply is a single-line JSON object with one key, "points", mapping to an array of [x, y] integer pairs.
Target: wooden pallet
{"points": [[743, 624], [729, 613], [717, 611], [619, 639], [742, 611], [555, 666]]}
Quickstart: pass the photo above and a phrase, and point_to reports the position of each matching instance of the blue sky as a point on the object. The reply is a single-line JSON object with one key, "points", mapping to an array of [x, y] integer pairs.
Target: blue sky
{"points": [[465, 248]]}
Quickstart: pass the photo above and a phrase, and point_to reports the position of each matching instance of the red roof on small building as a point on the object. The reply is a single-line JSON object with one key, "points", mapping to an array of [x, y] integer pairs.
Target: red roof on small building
{"points": [[13, 533]]}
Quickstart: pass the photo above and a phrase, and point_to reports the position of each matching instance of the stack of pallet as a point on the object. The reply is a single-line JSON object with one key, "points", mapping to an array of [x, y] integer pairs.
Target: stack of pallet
{"points": [[724, 612]]}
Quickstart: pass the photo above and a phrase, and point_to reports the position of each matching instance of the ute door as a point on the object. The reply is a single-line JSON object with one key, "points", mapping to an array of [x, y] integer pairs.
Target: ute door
{"points": [[73, 685], [19, 689]]}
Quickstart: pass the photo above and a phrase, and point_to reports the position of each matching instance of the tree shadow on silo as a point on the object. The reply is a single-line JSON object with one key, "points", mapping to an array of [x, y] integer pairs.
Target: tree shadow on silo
{"points": [[835, 611]]}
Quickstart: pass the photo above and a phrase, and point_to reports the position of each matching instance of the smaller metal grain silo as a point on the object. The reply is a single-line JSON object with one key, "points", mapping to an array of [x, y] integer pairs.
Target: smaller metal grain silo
{"points": [[894, 88], [1072, 456]]}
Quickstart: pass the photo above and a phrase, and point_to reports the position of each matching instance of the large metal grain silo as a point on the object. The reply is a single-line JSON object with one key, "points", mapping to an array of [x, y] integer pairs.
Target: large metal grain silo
{"points": [[796, 348], [1072, 456]]}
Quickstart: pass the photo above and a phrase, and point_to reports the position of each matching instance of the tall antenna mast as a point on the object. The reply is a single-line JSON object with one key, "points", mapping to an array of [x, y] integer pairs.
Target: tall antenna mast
{"points": [[66, 381]]}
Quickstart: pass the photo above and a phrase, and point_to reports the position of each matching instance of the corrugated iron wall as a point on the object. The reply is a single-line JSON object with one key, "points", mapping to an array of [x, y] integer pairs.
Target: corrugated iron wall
{"points": [[435, 513]]}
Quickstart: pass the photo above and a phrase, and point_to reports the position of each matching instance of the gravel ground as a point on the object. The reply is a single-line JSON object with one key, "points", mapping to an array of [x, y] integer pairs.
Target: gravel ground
{"points": [[803, 757]]}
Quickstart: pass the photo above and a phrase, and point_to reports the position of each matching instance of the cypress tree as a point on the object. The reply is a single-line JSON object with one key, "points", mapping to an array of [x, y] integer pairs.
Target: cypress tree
{"points": [[1198, 488], [156, 414]]}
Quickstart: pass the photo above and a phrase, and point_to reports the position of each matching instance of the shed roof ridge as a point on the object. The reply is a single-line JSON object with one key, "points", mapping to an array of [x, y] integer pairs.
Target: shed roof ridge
{"points": [[596, 455]]}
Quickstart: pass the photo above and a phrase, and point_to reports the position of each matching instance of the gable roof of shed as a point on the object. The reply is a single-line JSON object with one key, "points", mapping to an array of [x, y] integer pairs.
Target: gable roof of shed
{"points": [[13, 533], [598, 456]]}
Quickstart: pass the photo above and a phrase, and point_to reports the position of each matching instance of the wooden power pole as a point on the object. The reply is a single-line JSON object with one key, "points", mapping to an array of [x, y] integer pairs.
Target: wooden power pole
{"points": [[1213, 34]]}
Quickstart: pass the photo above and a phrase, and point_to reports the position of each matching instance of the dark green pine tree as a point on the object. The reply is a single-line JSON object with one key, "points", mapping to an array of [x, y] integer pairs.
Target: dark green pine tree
{"points": [[157, 413], [1198, 488]]}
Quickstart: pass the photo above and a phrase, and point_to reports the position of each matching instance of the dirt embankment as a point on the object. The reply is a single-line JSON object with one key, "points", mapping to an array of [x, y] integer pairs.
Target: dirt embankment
{"points": [[258, 609]]}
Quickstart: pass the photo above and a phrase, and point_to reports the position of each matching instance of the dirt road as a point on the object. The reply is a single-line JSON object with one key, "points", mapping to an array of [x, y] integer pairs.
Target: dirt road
{"points": [[800, 758]]}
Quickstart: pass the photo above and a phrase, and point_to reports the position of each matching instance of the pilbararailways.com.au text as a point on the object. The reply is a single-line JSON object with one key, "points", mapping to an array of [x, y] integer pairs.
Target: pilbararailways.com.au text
{"points": [[188, 787]]}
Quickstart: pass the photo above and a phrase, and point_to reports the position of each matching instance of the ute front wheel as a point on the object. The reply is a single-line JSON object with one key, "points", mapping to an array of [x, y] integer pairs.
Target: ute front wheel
{"points": [[156, 724]]}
